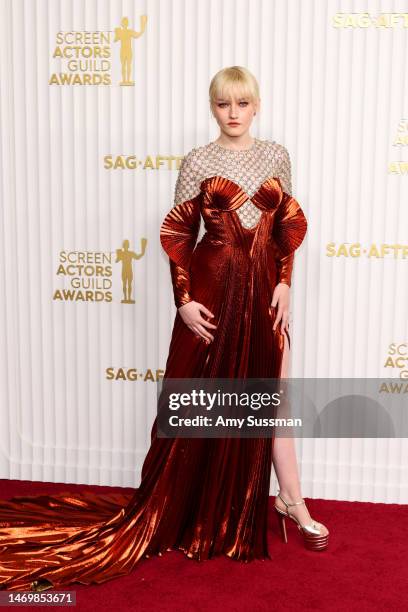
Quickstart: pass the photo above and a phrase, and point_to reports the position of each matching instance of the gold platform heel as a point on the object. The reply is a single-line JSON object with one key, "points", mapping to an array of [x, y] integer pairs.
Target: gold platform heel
{"points": [[312, 538]]}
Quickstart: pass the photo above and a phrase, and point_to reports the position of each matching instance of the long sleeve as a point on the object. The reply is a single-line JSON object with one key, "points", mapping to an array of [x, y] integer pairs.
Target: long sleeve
{"points": [[284, 168], [290, 223], [180, 228]]}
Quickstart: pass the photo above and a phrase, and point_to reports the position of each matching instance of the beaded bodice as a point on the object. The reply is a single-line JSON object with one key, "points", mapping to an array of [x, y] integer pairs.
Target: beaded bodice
{"points": [[249, 168]]}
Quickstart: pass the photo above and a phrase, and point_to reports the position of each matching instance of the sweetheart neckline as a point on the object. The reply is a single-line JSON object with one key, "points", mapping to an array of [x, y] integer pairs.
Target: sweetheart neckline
{"points": [[268, 178]]}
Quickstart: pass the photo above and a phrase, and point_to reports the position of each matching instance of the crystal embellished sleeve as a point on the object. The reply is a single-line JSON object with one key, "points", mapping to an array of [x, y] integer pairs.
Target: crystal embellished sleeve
{"points": [[180, 228], [188, 182], [284, 168]]}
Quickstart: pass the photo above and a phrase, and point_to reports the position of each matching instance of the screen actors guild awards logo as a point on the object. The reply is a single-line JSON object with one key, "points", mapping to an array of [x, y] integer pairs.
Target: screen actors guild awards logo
{"points": [[85, 57], [126, 257], [88, 274]]}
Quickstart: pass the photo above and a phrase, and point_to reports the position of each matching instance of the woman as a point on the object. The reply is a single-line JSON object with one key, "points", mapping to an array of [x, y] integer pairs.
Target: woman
{"points": [[203, 496]]}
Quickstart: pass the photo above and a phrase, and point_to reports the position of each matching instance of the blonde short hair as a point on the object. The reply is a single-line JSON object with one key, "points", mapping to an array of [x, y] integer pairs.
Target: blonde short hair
{"points": [[233, 80]]}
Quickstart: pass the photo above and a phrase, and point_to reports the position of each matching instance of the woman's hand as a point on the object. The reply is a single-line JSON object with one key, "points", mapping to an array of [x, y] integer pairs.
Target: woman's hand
{"points": [[191, 315], [281, 296]]}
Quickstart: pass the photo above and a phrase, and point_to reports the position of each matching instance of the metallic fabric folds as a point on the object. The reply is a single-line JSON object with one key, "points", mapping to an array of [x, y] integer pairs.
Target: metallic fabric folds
{"points": [[203, 496]]}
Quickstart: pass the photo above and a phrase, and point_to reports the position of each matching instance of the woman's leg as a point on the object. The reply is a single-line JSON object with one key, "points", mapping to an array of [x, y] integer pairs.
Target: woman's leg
{"points": [[285, 463]]}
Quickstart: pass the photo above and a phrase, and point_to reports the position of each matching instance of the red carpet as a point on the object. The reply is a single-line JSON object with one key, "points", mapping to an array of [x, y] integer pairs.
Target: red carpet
{"points": [[364, 568]]}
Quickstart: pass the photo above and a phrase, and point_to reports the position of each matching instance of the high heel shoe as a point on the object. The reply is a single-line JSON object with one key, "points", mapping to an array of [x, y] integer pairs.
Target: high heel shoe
{"points": [[312, 537]]}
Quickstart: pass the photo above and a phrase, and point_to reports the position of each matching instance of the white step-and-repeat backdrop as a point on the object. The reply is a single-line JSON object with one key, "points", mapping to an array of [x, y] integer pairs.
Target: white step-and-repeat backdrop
{"points": [[99, 101]]}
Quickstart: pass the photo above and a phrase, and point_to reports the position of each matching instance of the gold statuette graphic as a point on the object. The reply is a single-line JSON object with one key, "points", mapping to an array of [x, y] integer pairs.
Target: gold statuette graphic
{"points": [[126, 257], [125, 35]]}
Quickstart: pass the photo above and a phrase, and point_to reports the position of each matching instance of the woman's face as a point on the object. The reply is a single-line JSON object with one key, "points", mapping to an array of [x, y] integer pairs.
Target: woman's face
{"points": [[234, 114]]}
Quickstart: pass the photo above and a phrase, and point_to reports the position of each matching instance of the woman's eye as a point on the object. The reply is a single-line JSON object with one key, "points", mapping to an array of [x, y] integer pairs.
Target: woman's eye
{"points": [[222, 104]]}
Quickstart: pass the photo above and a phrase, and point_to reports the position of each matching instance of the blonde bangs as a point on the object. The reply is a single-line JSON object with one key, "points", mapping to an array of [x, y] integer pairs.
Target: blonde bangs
{"points": [[233, 82]]}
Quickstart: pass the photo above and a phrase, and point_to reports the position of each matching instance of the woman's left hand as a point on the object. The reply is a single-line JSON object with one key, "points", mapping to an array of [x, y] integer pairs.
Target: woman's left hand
{"points": [[281, 297]]}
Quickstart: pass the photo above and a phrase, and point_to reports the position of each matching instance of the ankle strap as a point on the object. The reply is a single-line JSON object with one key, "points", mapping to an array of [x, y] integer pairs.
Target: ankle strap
{"points": [[286, 503]]}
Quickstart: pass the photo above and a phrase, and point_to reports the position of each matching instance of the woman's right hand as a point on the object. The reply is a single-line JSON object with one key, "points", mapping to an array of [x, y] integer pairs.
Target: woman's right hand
{"points": [[191, 315]]}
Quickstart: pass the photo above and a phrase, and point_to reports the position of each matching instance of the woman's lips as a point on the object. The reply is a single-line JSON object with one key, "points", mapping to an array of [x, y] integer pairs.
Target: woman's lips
{"points": [[233, 124]]}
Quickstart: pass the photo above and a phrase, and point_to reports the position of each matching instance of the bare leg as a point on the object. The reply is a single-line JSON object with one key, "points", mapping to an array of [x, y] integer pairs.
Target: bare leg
{"points": [[285, 464]]}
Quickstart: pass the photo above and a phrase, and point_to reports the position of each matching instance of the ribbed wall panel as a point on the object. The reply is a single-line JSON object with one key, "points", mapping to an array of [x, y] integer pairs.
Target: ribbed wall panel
{"points": [[332, 96]]}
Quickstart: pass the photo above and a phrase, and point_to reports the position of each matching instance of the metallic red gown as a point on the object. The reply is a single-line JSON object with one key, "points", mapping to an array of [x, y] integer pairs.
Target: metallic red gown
{"points": [[203, 496]]}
